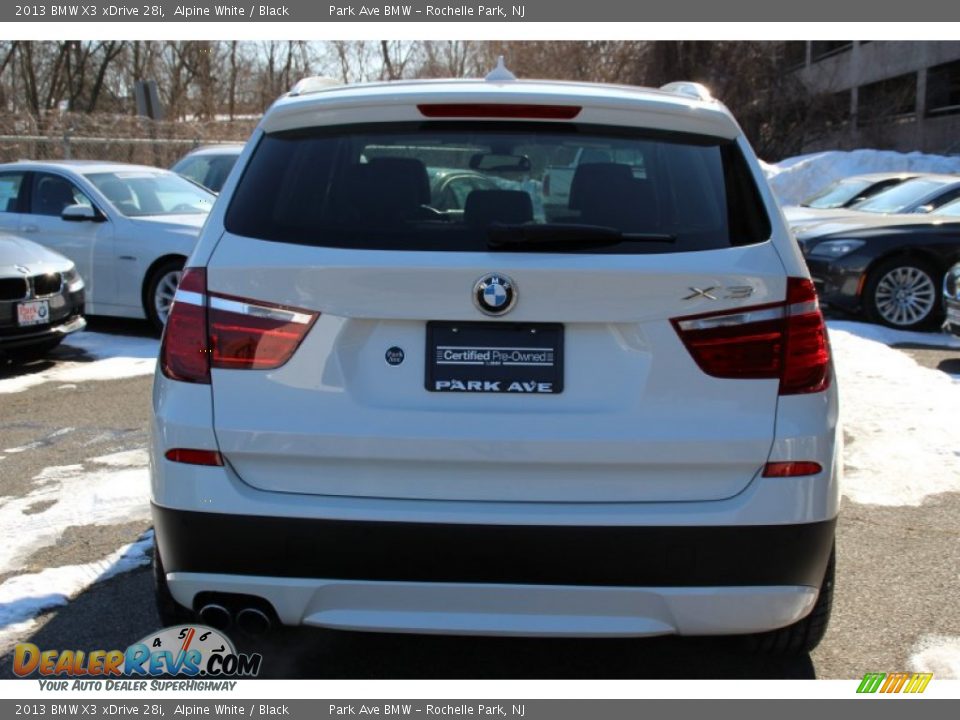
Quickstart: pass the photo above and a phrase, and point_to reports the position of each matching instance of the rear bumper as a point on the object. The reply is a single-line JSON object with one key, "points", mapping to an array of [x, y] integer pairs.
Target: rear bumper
{"points": [[619, 556], [521, 610], [562, 581]]}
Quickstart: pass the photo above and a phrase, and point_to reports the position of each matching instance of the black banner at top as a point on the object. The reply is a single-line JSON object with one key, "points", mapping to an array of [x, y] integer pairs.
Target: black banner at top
{"points": [[301, 11]]}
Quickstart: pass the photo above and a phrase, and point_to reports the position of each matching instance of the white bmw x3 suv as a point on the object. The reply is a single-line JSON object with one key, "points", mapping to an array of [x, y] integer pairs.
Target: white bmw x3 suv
{"points": [[610, 418]]}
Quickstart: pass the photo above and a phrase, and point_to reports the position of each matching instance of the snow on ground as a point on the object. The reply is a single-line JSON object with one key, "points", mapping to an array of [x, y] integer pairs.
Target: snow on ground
{"points": [[66, 495], [797, 178], [23, 597], [113, 357], [938, 654], [889, 336], [898, 416]]}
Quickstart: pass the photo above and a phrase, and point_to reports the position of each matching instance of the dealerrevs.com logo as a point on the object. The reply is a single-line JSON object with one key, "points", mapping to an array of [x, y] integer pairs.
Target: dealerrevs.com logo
{"points": [[185, 651]]}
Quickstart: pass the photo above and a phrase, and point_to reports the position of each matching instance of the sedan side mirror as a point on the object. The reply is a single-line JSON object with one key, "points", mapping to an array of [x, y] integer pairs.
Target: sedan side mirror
{"points": [[81, 213], [923, 209]]}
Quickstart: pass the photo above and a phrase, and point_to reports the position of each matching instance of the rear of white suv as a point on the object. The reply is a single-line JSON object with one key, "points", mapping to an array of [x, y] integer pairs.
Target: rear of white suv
{"points": [[614, 418]]}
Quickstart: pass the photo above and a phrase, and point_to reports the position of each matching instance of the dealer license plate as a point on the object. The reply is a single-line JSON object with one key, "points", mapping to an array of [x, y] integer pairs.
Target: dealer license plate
{"points": [[491, 357], [34, 312]]}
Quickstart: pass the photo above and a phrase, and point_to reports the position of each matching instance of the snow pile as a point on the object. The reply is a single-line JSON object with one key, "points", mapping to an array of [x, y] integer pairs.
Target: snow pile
{"points": [[937, 654], [23, 597], [902, 445], [112, 357], [797, 178]]}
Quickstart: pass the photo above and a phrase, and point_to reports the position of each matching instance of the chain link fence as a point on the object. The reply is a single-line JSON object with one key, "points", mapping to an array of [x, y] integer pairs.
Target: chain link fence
{"points": [[115, 138]]}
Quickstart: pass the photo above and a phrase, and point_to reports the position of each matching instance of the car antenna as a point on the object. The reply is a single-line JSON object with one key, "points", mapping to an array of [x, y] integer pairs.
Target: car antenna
{"points": [[500, 73]]}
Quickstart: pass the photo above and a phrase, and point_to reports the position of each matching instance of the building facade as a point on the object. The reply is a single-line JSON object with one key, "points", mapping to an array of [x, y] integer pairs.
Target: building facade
{"points": [[895, 95]]}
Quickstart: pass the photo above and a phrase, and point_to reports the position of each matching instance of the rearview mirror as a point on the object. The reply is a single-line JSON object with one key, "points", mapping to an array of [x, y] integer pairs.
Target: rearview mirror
{"points": [[499, 162], [923, 209], [80, 213]]}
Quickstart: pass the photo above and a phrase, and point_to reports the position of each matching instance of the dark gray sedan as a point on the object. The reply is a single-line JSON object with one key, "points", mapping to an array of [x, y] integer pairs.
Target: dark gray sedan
{"points": [[41, 297]]}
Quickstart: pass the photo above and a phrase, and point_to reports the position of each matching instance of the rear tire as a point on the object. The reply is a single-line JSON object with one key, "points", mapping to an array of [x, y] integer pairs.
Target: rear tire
{"points": [[159, 290], [804, 635], [170, 611]]}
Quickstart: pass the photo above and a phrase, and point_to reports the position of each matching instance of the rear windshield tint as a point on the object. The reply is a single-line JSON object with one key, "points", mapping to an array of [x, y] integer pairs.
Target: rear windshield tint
{"points": [[460, 186]]}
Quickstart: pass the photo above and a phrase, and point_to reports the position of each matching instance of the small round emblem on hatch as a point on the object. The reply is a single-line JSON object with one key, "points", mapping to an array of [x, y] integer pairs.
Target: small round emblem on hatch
{"points": [[495, 294], [394, 355]]}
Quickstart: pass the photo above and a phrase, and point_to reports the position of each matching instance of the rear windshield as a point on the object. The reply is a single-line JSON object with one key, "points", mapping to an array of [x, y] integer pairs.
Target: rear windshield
{"points": [[505, 186]]}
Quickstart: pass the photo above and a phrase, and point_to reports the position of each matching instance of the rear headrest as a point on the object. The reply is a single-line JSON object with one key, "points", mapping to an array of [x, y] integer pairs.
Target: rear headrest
{"points": [[591, 180], [483, 207], [404, 175], [384, 189]]}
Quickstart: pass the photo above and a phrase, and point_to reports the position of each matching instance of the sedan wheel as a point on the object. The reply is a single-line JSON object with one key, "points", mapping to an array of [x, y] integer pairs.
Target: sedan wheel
{"points": [[163, 296], [904, 296], [159, 291]]}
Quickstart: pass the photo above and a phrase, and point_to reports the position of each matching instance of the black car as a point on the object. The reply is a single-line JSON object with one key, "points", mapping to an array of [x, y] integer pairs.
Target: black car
{"points": [[890, 271]]}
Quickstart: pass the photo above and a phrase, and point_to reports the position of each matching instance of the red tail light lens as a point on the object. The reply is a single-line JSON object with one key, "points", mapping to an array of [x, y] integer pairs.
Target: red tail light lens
{"points": [[499, 110], [207, 330], [247, 335], [184, 351], [785, 340], [807, 353]]}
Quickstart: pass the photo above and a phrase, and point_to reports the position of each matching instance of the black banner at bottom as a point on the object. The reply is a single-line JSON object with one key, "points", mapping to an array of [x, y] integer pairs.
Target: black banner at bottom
{"points": [[877, 708]]}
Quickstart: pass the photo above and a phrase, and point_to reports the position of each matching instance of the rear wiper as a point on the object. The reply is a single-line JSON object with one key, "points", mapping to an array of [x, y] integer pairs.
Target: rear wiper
{"points": [[500, 235]]}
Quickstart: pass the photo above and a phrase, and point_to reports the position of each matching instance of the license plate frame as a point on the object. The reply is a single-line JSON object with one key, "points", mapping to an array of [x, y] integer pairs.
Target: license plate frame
{"points": [[33, 312], [494, 357]]}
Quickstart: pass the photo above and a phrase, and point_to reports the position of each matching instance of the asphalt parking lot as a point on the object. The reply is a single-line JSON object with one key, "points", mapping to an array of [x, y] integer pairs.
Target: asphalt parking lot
{"points": [[896, 589]]}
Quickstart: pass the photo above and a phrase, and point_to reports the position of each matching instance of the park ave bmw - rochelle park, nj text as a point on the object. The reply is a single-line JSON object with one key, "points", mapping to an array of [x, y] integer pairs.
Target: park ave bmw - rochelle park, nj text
{"points": [[265, 11]]}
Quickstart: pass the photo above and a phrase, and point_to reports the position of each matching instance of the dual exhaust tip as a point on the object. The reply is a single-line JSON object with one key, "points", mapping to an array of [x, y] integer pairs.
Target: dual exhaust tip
{"points": [[249, 620]]}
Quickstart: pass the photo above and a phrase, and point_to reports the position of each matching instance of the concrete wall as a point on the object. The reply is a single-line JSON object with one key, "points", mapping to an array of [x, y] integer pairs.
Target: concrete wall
{"points": [[866, 63]]}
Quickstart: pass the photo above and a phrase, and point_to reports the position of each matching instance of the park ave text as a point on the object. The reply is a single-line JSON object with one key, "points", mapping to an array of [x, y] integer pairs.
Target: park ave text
{"points": [[429, 11]]}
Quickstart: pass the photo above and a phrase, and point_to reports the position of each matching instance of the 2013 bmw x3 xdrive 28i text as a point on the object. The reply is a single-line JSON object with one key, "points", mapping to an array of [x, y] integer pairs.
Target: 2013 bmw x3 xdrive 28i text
{"points": [[613, 417]]}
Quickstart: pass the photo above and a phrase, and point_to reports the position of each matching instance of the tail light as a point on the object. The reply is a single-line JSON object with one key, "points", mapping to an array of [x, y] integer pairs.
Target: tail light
{"points": [[785, 341], [208, 330], [184, 350], [499, 110]]}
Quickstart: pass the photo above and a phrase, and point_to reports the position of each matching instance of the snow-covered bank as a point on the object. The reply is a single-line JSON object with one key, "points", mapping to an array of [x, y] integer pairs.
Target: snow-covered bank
{"points": [[23, 597], [797, 178], [902, 442]]}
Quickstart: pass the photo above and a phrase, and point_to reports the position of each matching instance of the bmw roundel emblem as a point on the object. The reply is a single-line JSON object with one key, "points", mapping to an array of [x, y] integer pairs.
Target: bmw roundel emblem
{"points": [[495, 294]]}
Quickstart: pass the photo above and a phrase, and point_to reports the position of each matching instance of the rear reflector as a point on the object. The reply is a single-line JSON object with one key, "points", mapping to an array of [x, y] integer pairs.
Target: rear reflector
{"points": [[207, 330], [785, 341], [194, 457], [791, 469], [495, 110]]}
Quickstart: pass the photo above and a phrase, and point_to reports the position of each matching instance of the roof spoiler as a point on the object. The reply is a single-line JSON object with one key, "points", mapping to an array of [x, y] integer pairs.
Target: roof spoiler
{"points": [[317, 83], [689, 89]]}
